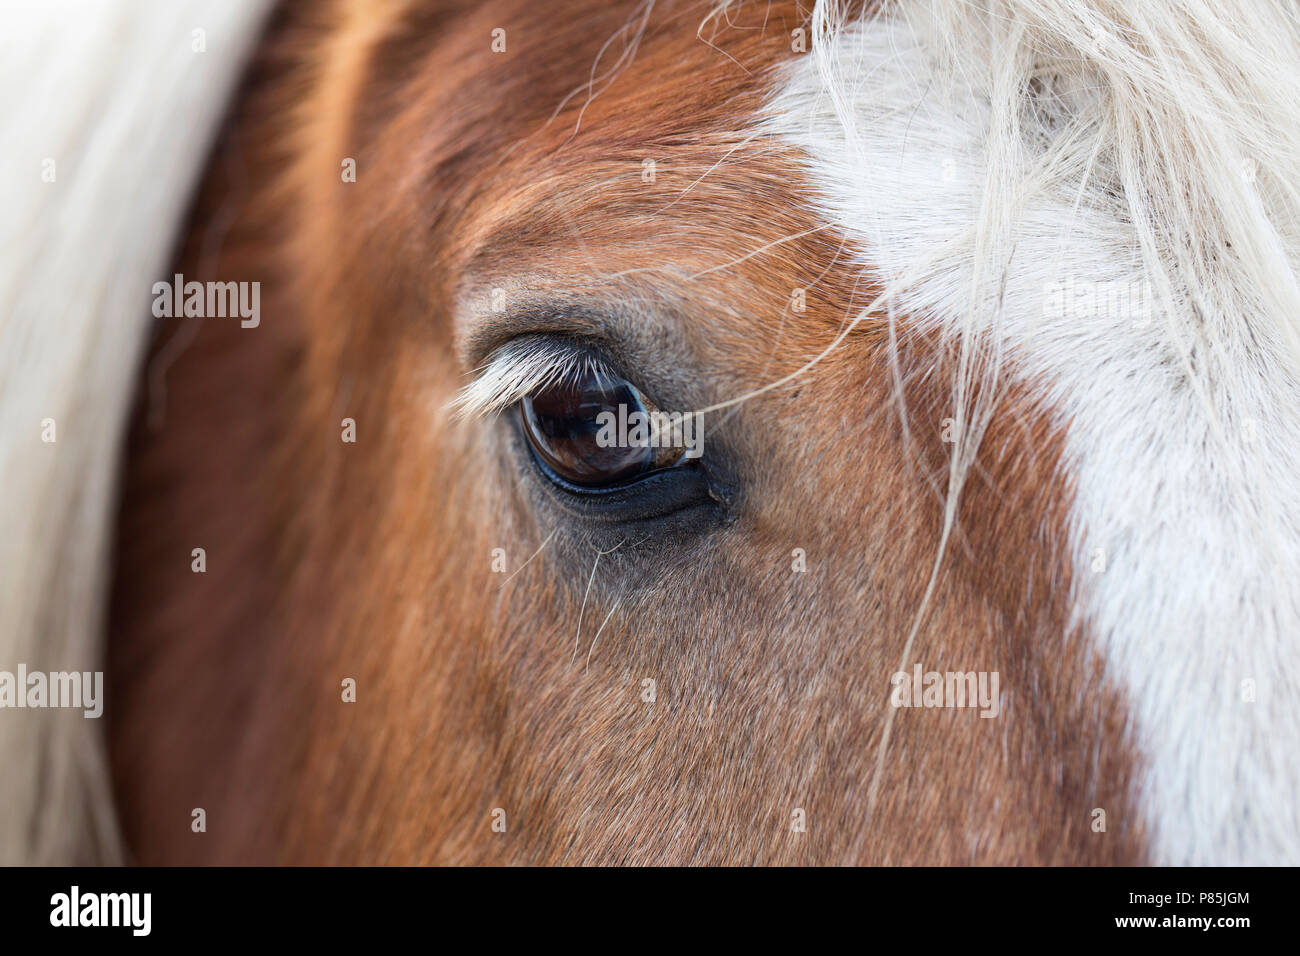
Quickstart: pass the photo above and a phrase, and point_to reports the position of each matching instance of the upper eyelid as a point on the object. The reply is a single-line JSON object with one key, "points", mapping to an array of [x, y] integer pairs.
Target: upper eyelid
{"points": [[488, 333]]}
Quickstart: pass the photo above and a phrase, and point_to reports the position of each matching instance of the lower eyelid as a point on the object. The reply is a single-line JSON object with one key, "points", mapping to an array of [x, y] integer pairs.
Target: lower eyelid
{"points": [[657, 494]]}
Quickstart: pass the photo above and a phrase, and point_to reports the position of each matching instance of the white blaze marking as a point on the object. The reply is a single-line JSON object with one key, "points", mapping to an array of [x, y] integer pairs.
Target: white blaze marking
{"points": [[1199, 525]]}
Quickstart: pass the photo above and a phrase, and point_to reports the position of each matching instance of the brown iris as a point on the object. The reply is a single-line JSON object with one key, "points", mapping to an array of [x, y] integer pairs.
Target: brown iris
{"points": [[568, 427]]}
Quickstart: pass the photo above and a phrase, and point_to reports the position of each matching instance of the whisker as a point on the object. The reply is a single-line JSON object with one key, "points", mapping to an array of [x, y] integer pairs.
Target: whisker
{"points": [[760, 250], [526, 563], [577, 634], [598, 630]]}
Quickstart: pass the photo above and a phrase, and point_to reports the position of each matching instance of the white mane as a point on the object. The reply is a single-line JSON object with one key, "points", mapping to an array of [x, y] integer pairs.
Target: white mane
{"points": [[117, 97]]}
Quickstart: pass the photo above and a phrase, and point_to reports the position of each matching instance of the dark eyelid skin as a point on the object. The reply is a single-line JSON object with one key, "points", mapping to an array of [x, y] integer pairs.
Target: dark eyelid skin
{"points": [[655, 496], [690, 498]]}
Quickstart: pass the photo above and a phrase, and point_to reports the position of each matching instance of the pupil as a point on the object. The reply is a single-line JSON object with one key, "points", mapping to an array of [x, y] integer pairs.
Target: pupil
{"points": [[562, 426]]}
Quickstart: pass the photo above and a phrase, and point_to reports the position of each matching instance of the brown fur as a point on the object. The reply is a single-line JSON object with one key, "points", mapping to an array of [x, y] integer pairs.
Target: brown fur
{"points": [[329, 560]]}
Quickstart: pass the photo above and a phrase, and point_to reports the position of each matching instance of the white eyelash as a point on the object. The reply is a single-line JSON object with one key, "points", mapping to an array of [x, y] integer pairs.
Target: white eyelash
{"points": [[520, 369]]}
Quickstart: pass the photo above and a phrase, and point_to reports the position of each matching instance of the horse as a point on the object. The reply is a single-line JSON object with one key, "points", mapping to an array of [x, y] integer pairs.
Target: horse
{"points": [[970, 536]]}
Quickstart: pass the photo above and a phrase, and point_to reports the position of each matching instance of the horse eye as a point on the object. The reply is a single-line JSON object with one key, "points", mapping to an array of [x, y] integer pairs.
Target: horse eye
{"points": [[573, 429]]}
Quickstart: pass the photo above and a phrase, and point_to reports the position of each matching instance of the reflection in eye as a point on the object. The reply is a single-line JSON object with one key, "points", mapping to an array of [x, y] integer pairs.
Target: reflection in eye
{"points": [[563, 424]]}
